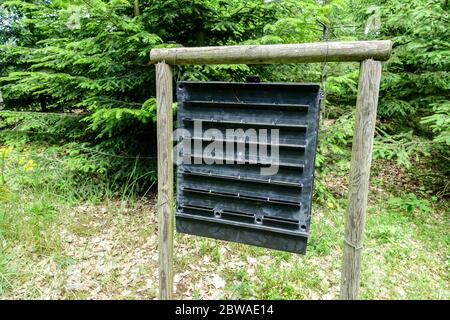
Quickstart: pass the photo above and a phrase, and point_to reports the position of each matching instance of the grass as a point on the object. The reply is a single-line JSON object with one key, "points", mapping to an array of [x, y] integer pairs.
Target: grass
{"points": [[60, 241]]}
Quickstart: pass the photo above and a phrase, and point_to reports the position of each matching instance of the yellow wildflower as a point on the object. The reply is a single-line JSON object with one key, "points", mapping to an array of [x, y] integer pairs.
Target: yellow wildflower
{"points": [[5, 150], [29, 165]]}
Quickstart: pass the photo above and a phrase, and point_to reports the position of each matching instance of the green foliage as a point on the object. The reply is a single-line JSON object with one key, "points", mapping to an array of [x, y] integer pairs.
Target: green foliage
{"points": [[101, 64], [402, 146], [416, 80], [334, 139], [439, 122], [415, 89], [410, 204], [117, 166], [106, 120]]}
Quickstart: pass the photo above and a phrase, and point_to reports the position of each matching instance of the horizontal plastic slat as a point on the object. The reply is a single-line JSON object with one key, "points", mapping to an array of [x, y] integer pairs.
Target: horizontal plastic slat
{"points": [[268, 144], [245, 179], [270, 221], [275, 106], [240, 196], [286, 126], [243, 224], [248, 161]]}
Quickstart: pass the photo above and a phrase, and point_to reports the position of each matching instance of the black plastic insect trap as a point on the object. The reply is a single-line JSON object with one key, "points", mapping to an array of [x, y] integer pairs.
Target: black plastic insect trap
{"points": [[235, 201]]}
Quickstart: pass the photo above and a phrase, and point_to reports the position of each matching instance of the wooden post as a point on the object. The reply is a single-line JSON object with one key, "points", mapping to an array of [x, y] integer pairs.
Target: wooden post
{"points": [[366, 112], [165, 179]]}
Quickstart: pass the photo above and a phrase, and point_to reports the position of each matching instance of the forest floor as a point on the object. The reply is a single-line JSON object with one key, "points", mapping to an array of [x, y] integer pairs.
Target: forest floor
{"points": [[52, 248]]}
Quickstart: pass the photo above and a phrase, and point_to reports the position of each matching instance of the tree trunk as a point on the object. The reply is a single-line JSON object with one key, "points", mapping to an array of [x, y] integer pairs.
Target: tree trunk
{"points": [[136, 8], [43, 103], [200, 38], [324, 71]]}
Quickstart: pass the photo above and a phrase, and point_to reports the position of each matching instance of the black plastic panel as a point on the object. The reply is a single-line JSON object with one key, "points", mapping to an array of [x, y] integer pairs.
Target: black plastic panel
{"points": [[234, 201]]}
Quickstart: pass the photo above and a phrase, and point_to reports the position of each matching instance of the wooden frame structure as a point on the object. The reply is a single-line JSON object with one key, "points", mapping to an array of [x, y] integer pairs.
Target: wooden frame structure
{"points": [[368, 53]]}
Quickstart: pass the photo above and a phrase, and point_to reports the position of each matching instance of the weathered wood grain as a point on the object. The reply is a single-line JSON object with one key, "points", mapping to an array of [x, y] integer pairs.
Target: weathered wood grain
{"points": [[269, 54], [366, 111], [165, 179]]}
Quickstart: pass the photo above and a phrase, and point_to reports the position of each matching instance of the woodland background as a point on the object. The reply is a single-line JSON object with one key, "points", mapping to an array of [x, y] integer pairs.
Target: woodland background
{"points": [[78, 144]]}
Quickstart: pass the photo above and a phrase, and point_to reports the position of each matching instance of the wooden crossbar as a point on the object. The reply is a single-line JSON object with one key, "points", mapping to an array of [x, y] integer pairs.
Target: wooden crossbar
{"points": [[276, 54]]}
